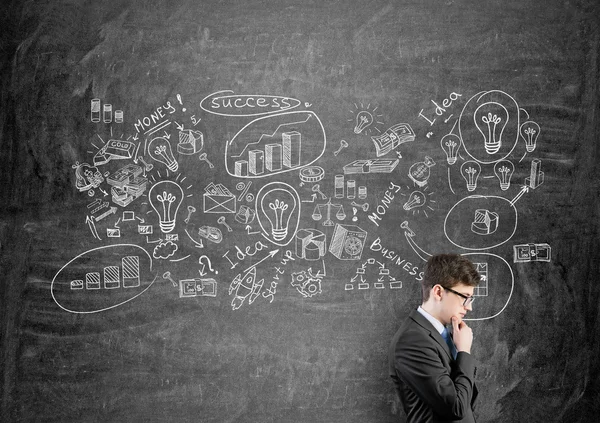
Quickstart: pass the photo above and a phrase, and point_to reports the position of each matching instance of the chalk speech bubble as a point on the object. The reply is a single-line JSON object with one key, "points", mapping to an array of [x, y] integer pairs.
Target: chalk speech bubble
{"points": [[226, 103], [458, 225], [102, 278], [496, 287]]}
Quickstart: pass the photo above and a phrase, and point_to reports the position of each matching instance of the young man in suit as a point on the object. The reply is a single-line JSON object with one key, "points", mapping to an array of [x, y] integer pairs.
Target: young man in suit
{"points": [[433, 371]]}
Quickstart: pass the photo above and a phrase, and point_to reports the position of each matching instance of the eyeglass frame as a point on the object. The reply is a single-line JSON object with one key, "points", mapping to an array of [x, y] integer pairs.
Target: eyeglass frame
{"points": [[468, 299]]}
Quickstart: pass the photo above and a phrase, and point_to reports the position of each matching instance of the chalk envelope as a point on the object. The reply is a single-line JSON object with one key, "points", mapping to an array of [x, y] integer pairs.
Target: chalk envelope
{"points": [[214, 203]]}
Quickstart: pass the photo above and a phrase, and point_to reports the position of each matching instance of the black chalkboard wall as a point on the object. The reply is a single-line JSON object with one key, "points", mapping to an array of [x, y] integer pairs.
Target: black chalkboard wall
{"points": [[219, 211]]}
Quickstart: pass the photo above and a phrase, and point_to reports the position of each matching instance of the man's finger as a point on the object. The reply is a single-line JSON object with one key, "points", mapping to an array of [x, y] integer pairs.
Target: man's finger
{"points": [[455, 324]]}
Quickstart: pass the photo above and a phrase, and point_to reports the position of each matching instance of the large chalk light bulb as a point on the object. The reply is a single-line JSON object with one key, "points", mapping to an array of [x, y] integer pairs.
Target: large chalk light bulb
{"points": [[504, 170], [450, 144], [278, 206], [364, 119], [415, 199], [470, 171], [530, 131], [160, 150], [165, 198], [490, 119]]}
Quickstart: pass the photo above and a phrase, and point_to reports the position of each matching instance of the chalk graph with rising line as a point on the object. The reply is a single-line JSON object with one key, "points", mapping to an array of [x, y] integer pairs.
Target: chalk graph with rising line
{"points": [[272, 135]]}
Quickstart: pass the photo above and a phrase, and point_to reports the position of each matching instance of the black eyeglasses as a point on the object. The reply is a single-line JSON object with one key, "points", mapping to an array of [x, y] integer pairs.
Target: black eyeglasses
{"points": [[468, 300]]}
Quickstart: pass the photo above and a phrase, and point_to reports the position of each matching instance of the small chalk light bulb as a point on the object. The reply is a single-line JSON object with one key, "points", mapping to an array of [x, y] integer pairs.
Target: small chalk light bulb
{"points": [[491, 119], [450, 144], [165, 198], [529, 131], [278, 206], [364, 119], [160, 150], [415, 199], [504, 170], [470, 171]]}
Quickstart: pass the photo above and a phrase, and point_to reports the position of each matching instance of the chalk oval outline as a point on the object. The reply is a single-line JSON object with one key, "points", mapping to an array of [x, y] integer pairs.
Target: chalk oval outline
{"points": [[480, 248], [512, 287], [213, 95], [89, 251]]}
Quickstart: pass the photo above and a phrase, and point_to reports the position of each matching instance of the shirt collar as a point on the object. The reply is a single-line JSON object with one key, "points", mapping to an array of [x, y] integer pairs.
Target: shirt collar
{"points": [[435, 322]]}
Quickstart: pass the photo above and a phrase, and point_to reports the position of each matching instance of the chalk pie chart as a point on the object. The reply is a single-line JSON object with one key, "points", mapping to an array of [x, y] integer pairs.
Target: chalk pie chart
{"points": [[480, 222]]}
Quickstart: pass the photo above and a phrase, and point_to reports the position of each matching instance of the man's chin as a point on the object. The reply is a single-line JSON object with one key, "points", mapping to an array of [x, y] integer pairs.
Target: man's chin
{"points": [[459, 318]]}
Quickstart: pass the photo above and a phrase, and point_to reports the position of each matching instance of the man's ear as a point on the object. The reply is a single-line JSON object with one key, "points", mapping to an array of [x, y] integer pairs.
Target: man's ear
{"points": [[436, 291]]}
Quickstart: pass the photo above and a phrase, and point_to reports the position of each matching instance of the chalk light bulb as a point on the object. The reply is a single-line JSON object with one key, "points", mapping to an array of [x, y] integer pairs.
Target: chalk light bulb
{"points": [[160, 150], [450, 144], [530, 131], [165, 198], [490, 119], [415, 199], [364, 119], [470, 171], [504, 170], [278, 206]]}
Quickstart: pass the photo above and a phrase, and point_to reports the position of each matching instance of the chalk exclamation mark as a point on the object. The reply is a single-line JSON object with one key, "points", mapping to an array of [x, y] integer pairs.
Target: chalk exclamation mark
{"points": [[180, 102]]}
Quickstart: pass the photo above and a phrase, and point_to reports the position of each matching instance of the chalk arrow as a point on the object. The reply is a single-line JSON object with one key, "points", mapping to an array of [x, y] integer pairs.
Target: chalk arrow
{"points": [[151, 242], [179, 127], [100, 207], [110, 211], [312, 199], [418, 250], [248, 227], [92, 227], [140, 219], [117, 224], [198, 244], [270, 255], [519, 195], [319, 274], [136, 136], [167, 136], [103, 192]]}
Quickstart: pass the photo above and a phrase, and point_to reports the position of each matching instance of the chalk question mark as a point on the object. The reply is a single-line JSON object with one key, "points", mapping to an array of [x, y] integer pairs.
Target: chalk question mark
{"points": [[202, 273]]}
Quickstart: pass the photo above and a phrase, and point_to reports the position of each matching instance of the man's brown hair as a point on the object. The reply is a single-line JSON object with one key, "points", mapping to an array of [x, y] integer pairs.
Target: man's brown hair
{"points": [[448, 270]]}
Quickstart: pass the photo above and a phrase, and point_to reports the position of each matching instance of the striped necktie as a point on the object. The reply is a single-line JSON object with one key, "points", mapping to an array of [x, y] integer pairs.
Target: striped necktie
{"points": [[448, 339]]}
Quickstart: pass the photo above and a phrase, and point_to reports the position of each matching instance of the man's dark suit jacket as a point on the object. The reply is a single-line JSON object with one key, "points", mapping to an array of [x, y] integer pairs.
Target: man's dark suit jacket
{"points": [[432, 385]]}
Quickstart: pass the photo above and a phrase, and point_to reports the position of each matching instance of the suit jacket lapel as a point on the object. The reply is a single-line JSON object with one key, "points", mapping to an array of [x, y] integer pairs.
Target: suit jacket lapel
{"points": [[433, 333]]}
